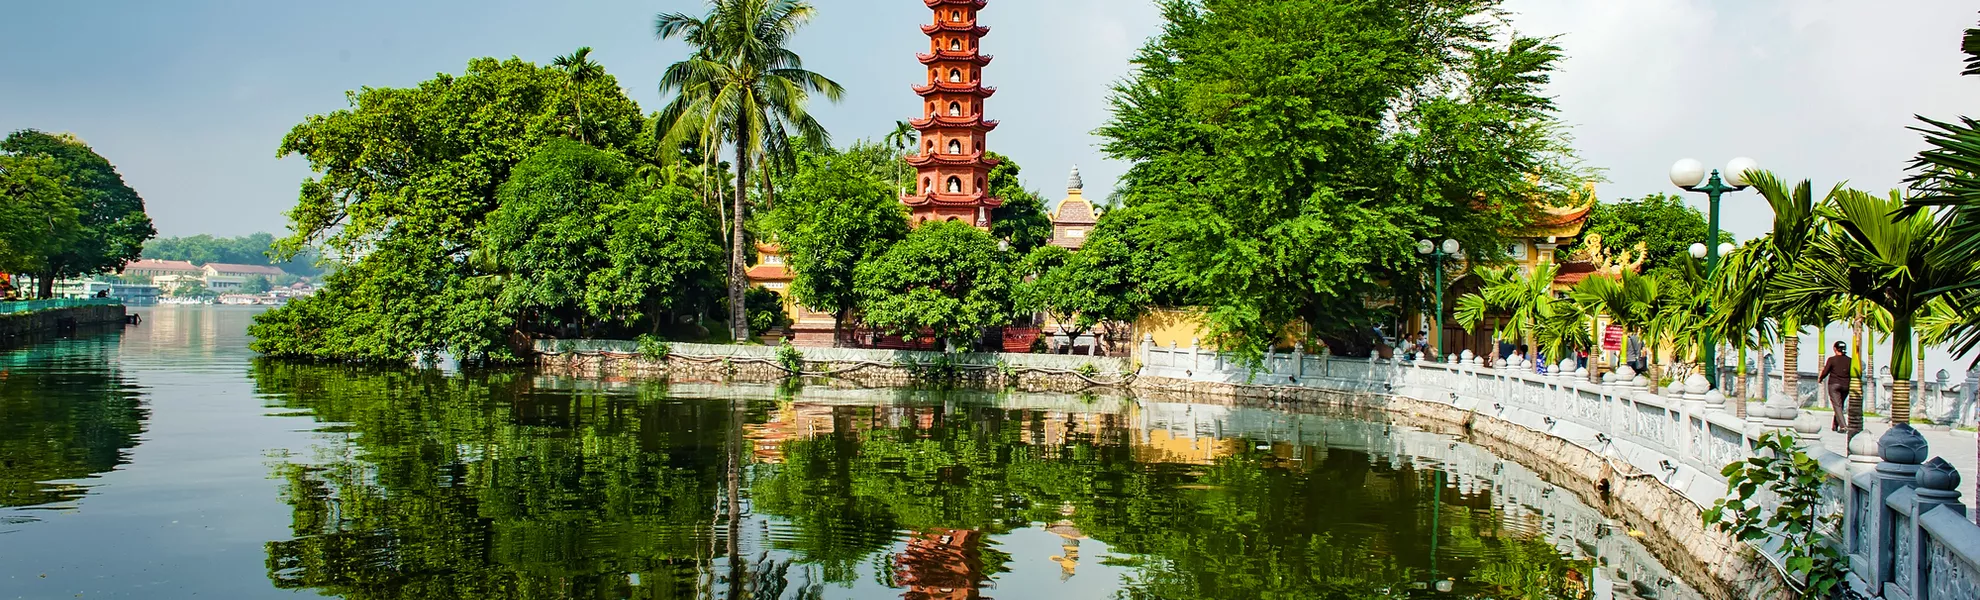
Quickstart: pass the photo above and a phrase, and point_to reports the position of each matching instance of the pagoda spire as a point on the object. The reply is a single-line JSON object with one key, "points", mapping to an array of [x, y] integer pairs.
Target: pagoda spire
{"points": [[952, 165]]}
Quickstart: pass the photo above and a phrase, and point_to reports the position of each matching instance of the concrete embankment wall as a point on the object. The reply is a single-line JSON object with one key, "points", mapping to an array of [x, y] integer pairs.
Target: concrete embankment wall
{"points": [[859, 367], [58, 319]]}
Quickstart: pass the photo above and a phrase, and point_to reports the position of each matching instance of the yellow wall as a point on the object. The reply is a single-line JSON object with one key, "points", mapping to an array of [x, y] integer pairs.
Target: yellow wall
{"points": [[1184, 326]]}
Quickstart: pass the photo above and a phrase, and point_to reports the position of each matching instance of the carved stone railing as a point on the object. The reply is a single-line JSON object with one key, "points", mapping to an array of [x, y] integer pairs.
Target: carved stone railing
{"points": [[1904, 529]]}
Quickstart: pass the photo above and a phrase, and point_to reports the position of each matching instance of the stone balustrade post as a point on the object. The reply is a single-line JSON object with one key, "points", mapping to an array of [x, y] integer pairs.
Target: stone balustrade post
{"points": [[1195, 355], [1902, 450], [1299, 359], [1936, 485], [1148, 348]]}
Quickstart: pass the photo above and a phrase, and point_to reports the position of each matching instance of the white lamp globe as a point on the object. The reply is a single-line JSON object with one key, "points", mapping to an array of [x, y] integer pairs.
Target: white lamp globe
{"points": [[1425, 247], [1725, 249], [1451, 246], [1698, 251], [1738, 170], [1687, 173]]}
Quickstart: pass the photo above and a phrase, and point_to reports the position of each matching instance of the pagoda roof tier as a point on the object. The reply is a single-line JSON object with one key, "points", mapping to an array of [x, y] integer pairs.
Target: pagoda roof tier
{"points": [[976, 4], [981, 60], [950, 26], [972, 122], [951, 200], [941, 87], [974, 158]]}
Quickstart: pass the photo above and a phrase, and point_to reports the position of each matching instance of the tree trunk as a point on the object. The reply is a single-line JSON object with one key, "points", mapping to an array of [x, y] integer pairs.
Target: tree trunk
{"points": [[44, 284], [1791, 366], [1739, 386], [1900, 363], [1855, 374], [738, 270]]}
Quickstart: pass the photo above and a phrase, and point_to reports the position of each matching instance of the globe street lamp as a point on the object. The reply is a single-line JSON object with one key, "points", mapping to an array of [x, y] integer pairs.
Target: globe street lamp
{"points": [[1438, 253], [1687, 174]]}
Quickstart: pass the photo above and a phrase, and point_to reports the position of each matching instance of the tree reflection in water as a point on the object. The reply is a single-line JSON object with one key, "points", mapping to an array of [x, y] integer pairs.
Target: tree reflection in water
{"points": [[489, 486], [66, 414]]}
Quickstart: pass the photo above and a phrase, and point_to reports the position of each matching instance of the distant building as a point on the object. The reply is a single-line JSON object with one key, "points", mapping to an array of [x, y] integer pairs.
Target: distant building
{"points": [[808, 327], [146, 267], [1074, 218], [243, 271]]}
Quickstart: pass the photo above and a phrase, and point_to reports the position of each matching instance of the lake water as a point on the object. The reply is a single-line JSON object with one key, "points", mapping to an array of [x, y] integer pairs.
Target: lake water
{"points": [[164, 461]]}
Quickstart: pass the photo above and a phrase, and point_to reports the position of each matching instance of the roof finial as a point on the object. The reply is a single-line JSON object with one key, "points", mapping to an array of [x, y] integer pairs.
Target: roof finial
{"points": [[1074, 183]]}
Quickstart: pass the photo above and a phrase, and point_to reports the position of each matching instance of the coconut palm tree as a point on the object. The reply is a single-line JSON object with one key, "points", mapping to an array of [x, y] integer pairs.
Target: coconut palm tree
{"points": [[1894, 261], [744, 88], [578, 71]]}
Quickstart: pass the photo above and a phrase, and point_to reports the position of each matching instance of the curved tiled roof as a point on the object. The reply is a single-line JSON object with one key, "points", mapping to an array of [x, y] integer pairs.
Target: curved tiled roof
{"points": [[977, 4], [950, 200], [976, 89], [971, 122], [981, 60], [973, 158]]}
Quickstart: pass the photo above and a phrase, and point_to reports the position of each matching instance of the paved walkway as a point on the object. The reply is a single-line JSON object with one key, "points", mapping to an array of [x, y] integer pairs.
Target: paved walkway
{"points": [[1956, 446]]}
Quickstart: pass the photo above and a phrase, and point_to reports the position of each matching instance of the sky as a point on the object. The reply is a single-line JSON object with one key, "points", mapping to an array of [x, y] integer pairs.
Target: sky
{"points": [[190, 98]]}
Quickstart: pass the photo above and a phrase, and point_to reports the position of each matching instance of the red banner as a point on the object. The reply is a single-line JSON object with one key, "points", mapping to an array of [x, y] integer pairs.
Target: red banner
{"points": [[1612, 339]]}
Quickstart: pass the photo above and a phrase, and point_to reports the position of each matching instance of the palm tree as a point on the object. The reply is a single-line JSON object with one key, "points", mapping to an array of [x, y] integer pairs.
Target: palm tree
{"points": [[743, 87], [1893, 261], [578, 71], [1527, 300], [902, 137], [1629, 301], [1745, 305]]}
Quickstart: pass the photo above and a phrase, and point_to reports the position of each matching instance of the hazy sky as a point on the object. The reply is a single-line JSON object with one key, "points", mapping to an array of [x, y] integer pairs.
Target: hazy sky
{"points": [[190, 98]]}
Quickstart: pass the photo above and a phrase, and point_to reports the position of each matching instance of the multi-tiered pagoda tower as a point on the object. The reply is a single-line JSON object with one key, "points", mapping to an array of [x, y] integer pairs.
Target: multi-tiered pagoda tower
{"points": [[952, 171]]}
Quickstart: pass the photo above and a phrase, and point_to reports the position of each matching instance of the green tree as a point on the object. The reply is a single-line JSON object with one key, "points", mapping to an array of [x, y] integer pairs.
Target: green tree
{"points": [[1288, 153], [1661, 224], [245, 250], [580, 71], [111, 225], [405, 181], [766, 311], [38, 212], [835, 216], [256, 285], [1095, 286], [744, 87], [946, 277], [1021, 222]]}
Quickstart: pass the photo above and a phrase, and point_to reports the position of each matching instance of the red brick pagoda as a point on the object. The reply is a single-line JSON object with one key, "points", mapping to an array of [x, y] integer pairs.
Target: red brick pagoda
{"points": [[952, 170]]}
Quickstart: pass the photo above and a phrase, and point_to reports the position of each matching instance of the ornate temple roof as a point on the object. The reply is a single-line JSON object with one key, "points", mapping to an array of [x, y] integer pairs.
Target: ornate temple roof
{"points": [[969, 56], [976, 30], [943, 87], [970, 122], [949, 200], [925, 159], [977, 4]]}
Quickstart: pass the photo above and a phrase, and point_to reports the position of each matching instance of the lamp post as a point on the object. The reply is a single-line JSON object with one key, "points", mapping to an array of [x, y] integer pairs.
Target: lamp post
{"points": [[1438, 253], [1687, 174]]}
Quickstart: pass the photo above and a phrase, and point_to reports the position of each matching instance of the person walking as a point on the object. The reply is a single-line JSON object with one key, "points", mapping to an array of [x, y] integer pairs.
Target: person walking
{"points": [[1835, 378]]}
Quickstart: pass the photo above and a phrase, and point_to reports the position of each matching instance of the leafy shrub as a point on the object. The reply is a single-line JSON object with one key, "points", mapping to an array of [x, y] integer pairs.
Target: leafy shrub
{"points": [[1794, 480], [791, 359], [653, 347]]}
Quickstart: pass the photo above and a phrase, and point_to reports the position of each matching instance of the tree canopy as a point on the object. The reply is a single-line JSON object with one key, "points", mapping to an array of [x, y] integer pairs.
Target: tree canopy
{"points": [[1663, 224], [78, 217], [946, 277], [839, 209], [1288, 153], [460, 207]]}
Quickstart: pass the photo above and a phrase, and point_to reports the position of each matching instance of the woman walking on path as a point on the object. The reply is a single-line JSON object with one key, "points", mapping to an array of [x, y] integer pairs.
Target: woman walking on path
{"points": [[1835, 378]]}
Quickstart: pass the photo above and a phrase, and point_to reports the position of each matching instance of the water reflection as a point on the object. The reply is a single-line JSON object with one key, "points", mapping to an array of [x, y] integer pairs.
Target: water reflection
{"points": [[502, 486], [66, 415]]}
